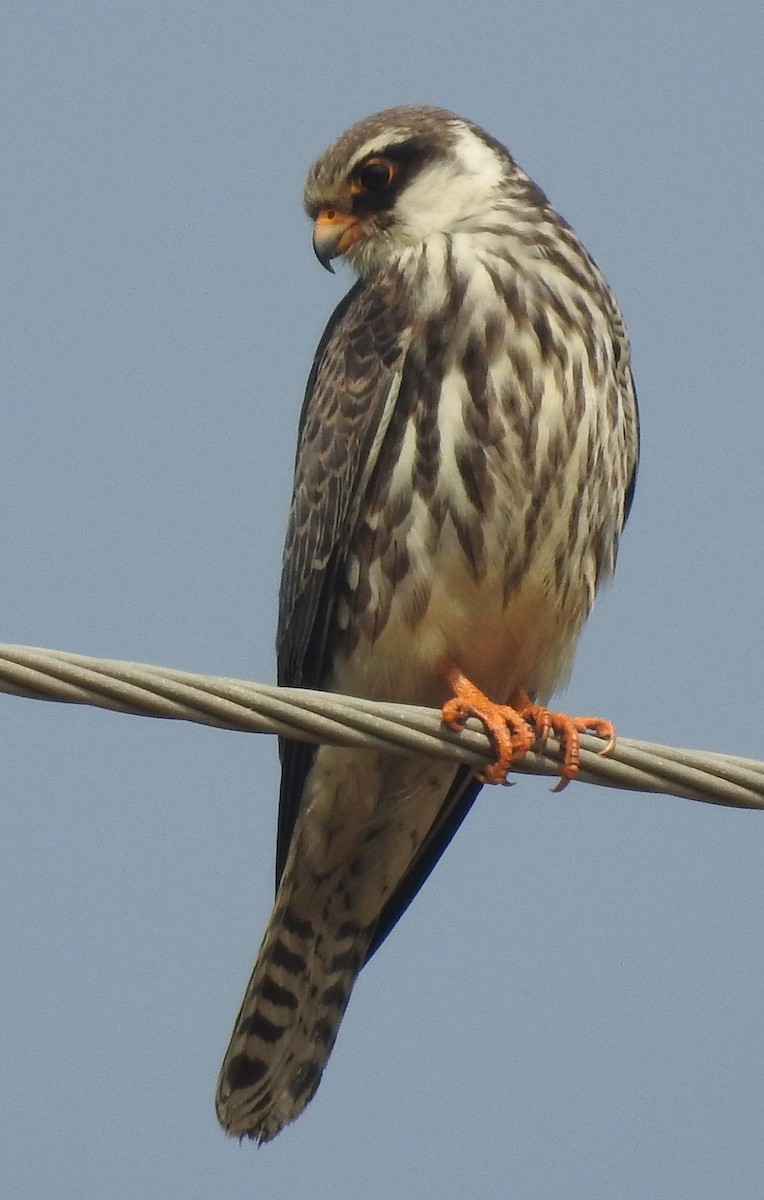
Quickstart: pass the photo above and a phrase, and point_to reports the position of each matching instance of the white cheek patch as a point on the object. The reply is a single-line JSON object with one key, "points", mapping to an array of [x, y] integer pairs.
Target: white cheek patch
{"points": [[452, 190], [478, 159], [439, 199]]}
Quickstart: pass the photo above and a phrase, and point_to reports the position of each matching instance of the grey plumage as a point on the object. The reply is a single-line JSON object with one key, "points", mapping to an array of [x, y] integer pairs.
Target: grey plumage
{"points": [[467, 454]]}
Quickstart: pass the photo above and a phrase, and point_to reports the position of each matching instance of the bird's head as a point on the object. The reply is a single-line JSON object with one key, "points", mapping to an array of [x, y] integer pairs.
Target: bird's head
{"points": [[397, 178]]}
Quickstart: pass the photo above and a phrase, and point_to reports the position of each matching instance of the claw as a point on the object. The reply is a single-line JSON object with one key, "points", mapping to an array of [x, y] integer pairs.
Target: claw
{"points": [[514, 728], [510, 733], [568, 730]]}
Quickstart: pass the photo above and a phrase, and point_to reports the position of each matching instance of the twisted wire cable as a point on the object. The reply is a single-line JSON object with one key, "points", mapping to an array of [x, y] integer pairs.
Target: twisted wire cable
{"points": [[237, 704]]}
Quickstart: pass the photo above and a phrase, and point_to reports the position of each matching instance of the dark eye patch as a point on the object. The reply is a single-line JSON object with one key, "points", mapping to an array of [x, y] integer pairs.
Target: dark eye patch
{"points": [[381, 184], [411, 154]]}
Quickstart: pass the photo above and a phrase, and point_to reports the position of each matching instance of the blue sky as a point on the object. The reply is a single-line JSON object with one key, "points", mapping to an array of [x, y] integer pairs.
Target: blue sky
{"points": [[571, 1008]]}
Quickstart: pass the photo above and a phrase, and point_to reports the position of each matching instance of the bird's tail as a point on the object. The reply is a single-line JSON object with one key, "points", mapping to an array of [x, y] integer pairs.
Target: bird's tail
{"points": [[292, 1009]]}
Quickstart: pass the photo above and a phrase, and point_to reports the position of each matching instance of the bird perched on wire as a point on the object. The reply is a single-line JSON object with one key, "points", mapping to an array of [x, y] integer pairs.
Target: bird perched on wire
{"points": [[467, 455]]}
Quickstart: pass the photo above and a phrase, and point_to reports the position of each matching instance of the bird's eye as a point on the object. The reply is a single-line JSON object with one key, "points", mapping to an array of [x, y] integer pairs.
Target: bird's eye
{"points": [[375, 175]]}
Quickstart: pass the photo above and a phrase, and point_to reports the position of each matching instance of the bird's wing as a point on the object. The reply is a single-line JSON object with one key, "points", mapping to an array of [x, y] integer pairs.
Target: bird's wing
{"points": [[350, 396], [624, 379], [632, 410], [349, 399]]}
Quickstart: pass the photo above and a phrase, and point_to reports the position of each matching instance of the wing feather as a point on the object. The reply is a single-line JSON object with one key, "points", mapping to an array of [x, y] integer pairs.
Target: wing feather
{"points": [[349, 399]]}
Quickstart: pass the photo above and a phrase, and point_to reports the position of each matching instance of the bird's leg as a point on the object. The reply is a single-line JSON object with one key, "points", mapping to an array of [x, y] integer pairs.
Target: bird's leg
{"points": [[508, 729], [567, 729], [515, 727]]}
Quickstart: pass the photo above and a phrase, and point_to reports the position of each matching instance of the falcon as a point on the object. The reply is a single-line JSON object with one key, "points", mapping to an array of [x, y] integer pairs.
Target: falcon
{"points": [[467, 455]]}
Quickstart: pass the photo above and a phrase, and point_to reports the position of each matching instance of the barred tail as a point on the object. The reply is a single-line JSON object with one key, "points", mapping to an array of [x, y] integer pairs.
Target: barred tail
{"points": [[290, 1014]]}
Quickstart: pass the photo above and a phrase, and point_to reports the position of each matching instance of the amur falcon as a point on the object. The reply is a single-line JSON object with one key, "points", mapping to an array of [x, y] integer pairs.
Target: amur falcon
{"points": [[467, 455]]}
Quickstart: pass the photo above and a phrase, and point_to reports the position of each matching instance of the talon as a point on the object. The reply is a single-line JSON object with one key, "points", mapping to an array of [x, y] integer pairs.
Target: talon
{"points": [[601, 729], [514, 728], [509, 731], [568, 731]]}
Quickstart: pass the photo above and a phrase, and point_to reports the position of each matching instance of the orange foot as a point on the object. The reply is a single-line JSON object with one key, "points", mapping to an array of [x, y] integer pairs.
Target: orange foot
{"points": [[515, 727], [508, 729], [568, 731]]}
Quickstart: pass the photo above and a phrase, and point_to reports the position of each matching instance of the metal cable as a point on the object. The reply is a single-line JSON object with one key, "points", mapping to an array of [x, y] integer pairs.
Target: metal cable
{"points": [[152, 691]]}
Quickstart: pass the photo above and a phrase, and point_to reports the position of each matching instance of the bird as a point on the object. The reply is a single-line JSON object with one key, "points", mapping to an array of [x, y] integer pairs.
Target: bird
{"points": [[466, 461]]}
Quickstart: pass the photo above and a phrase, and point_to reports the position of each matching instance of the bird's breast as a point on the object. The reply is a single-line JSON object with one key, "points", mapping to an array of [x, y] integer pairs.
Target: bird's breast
{"points": [[495, 505]]}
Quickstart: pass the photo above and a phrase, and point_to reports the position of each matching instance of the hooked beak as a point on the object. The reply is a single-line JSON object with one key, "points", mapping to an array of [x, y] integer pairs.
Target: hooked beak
{"points": [[333, 234]]}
